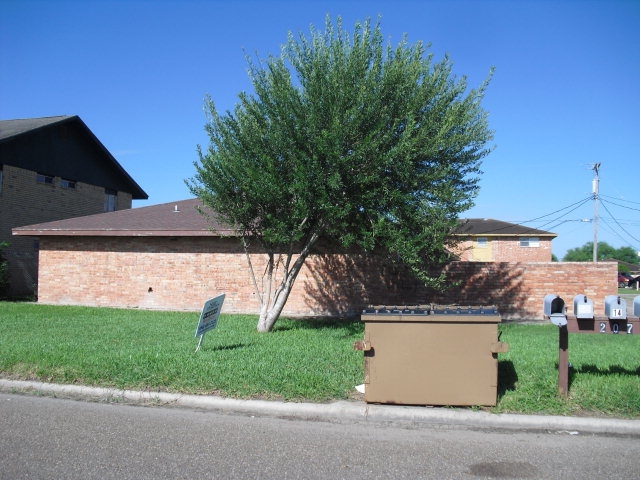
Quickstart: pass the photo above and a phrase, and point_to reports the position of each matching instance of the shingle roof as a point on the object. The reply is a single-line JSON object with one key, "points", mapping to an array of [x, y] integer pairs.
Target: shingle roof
{"points": [[175, 219], [496, 228], [11, 128], [184, 219]]}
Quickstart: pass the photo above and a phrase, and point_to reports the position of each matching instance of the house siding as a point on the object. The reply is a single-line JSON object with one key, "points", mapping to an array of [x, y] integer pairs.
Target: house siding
{"points": [[25, 201], [504, 249], [182, 273]]}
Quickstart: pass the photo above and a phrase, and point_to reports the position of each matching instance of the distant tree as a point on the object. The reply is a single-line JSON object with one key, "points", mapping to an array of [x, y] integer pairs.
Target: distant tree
{"points": [[344, 138], [605, 252], [627, 254], [585, 252]]}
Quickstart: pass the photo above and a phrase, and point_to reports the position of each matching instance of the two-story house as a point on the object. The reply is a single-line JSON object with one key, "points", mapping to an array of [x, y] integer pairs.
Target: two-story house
{"points": [[53, 168], [488, 240]]}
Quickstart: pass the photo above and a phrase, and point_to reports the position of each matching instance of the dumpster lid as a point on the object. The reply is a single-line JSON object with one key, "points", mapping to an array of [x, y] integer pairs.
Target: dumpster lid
{"points": [[431, 313]]}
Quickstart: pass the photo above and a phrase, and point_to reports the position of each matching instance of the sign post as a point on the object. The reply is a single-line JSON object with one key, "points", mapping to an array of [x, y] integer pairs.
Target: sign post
{"points": [[209, 317]]}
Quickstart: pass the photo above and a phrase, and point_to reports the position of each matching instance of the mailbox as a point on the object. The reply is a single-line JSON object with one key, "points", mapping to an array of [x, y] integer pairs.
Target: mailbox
{"points": [[636, 306], [555, 310], [615, 307], [582, 307]]}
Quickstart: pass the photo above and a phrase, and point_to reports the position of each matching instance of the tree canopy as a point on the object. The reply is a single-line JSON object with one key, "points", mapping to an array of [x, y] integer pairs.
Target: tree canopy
{"points": [[348, 138], [605, 252]]}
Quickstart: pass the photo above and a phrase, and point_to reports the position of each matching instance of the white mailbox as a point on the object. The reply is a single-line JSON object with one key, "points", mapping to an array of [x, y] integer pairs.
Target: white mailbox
{"points": [[582, 307], [615, 307]]}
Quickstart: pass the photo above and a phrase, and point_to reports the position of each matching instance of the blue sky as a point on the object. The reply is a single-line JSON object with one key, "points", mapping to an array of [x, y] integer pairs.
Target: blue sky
{"points": [[565, 95]]}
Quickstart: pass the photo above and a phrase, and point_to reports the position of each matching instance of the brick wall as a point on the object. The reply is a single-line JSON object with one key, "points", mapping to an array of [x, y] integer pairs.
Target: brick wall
{"points": [[518, 288], [182, 273], [24, 201]]}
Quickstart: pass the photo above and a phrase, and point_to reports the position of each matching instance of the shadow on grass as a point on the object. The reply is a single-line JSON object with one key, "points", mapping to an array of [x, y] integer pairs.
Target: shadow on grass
{"points": [[612, 370], [507, 377], [234, 346], [353, 326], [599, 371]]}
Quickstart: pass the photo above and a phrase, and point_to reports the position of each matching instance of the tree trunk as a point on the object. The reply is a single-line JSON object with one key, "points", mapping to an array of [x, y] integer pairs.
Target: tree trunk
{"points": [[270, 312], [271, 308]]}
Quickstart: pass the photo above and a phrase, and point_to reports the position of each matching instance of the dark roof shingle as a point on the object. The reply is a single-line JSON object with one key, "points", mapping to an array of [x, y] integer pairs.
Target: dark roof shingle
{"points": [[180, 219], [11, 128], [493, 228], [184, 218]]}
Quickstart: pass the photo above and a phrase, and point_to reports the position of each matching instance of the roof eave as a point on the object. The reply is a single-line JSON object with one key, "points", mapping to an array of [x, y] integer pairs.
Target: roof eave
{"points": [[137, 192], [122, 233], [529, 234]]}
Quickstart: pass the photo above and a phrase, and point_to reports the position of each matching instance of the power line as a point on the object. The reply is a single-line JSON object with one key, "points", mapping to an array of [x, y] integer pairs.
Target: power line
{"points": [[621, 206], [621, 200], [560, 219], [584, 220], [575, 206], [567, 213], [596, 197], [604, 204]]}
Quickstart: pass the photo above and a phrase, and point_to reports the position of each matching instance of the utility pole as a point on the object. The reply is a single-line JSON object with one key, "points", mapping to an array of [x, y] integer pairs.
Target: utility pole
{"points": [[596, 194]]}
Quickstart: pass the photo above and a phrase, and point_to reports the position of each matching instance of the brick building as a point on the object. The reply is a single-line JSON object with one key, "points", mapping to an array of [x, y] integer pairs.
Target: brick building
{"points": [[171, 257], [488, 240], [53, 168]]}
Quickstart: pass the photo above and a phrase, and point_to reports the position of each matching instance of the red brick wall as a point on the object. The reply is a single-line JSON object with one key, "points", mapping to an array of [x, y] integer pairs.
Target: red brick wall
{"points": [[182, 273], [519, 288]]}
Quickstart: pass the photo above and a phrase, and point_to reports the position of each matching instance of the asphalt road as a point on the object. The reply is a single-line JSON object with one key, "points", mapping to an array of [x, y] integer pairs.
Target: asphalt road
{"points": [[48, 438]]}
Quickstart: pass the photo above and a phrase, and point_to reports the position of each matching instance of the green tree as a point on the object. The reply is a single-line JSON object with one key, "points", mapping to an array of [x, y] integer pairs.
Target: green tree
{"points": [[350, 139], [627, 254], [585, 252], [605, 252]]}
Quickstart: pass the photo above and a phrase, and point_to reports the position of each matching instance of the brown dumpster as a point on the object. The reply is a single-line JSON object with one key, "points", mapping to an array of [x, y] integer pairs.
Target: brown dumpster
{"points": [[431, 355]]}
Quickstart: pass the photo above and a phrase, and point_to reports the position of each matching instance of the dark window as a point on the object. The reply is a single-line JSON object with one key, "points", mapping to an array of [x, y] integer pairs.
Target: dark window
{"points": [[44, 178], [110, 200], [65, 183]]}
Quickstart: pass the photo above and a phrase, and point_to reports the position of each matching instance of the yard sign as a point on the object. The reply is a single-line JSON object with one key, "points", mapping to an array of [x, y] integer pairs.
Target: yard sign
{"points": [[209, 317]]}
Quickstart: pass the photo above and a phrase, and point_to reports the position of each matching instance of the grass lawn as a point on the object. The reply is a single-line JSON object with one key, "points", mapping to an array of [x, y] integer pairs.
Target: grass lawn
{"points": [[629, 291], [300, 361]]}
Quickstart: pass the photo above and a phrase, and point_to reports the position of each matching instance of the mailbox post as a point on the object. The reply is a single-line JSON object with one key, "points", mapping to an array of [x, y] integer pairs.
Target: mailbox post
{"points": [[555, 310]]}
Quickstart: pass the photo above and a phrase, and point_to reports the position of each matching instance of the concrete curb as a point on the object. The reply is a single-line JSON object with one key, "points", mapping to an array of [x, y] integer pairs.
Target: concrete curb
{"points": [[336, 412]]}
